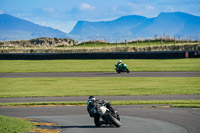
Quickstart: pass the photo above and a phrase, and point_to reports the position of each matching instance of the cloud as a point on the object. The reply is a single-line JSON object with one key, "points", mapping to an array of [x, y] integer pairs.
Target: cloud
{"points": [[49, 10], [86, 6], [138, 8], [65, 26], [149, 7], [171, 9]]}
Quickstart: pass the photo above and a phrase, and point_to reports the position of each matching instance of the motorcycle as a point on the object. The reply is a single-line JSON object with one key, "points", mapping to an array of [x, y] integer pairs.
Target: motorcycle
{"points": [[121, 68], [102, 110]]}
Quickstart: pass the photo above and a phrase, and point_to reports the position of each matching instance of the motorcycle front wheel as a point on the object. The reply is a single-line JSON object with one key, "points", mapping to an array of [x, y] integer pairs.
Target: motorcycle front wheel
{"points": [[113, 120], [127, 70], [96, 120]]}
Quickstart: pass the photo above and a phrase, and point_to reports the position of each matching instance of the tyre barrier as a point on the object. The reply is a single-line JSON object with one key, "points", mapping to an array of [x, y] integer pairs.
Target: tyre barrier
{"points": [[109, 55]]}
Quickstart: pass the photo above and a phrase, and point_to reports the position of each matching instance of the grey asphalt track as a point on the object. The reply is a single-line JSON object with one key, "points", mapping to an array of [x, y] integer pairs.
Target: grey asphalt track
{"points": [[85, 124], [100, 74], [137, 116]]}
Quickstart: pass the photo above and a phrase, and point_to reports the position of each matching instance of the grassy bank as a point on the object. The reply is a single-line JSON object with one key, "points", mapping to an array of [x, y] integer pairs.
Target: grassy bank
{"points": [[39, 87], [147, 42], [13, 66], [172, 103], [14, 125]]}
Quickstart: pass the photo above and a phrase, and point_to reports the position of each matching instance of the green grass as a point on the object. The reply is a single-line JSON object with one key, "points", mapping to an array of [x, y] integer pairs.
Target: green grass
{"points": [[172, 103], [40, 87], [142, 102], [186, 105], [44, 103], [14, 125], [134, 43], [12, 66]]}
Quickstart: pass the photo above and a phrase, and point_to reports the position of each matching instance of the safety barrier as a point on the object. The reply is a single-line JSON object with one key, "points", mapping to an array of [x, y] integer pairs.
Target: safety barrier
{"points": [[109, 55]]}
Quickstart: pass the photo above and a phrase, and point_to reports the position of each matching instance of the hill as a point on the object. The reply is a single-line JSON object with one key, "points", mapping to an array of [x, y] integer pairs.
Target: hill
{"points": [[12, 28], [179, 24], [129, 27]]}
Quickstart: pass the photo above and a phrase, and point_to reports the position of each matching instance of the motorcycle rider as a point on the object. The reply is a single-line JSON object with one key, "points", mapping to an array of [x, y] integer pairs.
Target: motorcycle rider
{"points": [[119, 63], [92, 110], [91, 103]]}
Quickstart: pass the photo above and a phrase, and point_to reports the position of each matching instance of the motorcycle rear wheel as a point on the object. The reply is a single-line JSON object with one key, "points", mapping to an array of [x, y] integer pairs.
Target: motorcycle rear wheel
{"points": [[113, 120], [118, 71]]}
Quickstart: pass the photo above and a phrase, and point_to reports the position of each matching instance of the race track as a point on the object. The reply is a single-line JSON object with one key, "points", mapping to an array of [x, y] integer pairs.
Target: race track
{"points": [[100, 74], [137, 118], [134, 118], [85, 124]]}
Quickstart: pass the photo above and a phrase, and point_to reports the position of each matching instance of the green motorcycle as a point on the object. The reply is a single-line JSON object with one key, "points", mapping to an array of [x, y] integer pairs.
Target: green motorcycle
{"points": [[121, 68]]}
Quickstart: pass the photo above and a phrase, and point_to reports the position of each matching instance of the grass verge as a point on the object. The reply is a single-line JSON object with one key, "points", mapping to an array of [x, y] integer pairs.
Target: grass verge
{"points": [[142, 102], [173, 103], [12, 66], [186, 105], [47, 87], [14, 125]]}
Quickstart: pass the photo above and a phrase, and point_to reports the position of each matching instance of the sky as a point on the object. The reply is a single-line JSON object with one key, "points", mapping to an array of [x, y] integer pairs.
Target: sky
{"points": [[64, 14]]}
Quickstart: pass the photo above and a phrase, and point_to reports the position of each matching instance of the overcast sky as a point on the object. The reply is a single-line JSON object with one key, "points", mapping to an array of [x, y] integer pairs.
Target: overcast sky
{"points": [[64, 14]]}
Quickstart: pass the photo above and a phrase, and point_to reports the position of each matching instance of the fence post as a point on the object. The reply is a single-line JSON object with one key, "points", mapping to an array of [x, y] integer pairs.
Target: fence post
{"points": [[43, 46], [174, 40], [149, 42]]}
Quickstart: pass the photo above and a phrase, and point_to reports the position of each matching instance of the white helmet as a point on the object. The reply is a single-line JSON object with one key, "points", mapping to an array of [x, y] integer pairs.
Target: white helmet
{"points": [[120, 61], [91, 99]]}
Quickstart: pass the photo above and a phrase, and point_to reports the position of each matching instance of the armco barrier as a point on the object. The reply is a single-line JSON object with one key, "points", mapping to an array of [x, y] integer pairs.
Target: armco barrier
{"points": [[116, 55]]}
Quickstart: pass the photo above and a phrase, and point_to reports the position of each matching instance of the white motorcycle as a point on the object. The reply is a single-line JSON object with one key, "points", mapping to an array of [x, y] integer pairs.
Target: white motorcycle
{"points": [[99, 109]]}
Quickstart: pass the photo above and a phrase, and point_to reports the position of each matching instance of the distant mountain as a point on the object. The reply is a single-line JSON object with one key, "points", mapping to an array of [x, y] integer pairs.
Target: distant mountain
{"points": [[172, 24], [115, 27], [12, 28], [130, 27], [177, 24]]}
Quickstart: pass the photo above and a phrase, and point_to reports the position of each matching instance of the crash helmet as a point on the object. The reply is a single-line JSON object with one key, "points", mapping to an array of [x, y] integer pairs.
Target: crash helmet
{"points": [[120, 61], [91, 100]]}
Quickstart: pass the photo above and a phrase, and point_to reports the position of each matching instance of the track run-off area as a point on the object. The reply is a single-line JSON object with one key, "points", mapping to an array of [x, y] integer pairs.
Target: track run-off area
{"points": [[134, 118]]}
